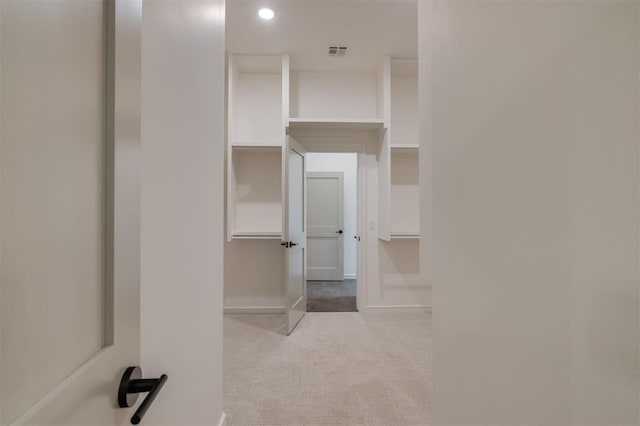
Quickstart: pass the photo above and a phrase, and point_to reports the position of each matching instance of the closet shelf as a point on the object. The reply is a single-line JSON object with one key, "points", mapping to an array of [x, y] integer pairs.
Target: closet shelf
{"points": [[405, 146], [255, 146], [405, 236], [255, 235], [335, 124]]}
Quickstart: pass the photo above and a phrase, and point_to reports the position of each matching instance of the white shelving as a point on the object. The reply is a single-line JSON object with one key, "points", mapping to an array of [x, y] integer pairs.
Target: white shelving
{"points": [[266, 98], [398, 181], [408, 236], [405, 193], [404, 146], [256, 105], [257, 235], [336, 100], [255, 192], [255, 100], [335, 124]]}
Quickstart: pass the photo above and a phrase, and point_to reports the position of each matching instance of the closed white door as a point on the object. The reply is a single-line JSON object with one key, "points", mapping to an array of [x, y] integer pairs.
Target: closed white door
{"points": [[325, 222], [69, 208], [295, 233]]}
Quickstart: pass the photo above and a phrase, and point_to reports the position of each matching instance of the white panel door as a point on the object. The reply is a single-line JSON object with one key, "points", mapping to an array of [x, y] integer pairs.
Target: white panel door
{"points": [[295, 235], [69, 208], [325, 221]]}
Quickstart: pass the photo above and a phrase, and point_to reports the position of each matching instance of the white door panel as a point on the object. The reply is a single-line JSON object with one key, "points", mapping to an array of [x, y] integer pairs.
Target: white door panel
{"points": [[322, 252], [325, 237], [69, 208], [295, 235]]}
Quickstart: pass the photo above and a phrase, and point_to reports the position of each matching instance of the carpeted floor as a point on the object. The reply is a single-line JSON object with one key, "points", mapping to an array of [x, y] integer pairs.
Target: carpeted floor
{"points": [[336, 369], [331, 296]]}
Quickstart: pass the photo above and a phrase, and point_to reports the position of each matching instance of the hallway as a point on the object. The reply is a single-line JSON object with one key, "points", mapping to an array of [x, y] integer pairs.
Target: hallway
{"points": [[335, 369]]}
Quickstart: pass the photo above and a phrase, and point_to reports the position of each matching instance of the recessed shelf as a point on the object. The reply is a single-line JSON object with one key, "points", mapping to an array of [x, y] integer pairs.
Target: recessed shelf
{"points": [[405, 194], [255, 192], [255, 98], [335, 124]]}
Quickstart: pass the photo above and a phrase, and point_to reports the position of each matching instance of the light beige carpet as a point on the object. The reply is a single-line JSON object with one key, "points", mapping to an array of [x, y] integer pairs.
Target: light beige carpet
{"points": [[335, 369]]}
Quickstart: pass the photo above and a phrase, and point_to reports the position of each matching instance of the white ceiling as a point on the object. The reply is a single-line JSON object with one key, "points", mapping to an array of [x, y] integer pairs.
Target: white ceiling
{"points": [[305, 29]]}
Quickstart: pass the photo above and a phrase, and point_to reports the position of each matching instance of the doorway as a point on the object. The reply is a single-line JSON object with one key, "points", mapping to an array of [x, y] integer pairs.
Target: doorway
{"points": [[332, 232], [284, 86]]}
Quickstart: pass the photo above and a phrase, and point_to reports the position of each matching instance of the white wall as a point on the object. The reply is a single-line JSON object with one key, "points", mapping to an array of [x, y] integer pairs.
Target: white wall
{"points": [[334, 95], [404, 109], [182, 216], [259, 121], [348, 164], [398, 279], [530, 109]]}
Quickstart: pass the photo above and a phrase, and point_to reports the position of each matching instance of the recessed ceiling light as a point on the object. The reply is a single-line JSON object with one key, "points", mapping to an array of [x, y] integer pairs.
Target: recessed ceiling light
{"points": [[266, 14]]}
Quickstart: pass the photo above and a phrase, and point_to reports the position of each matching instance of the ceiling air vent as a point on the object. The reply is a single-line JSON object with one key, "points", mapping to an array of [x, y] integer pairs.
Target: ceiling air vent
{"points": [[337, 51]]}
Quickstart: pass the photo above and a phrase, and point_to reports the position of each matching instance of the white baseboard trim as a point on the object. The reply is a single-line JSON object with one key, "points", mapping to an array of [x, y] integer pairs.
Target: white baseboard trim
{"points": [[350, 276], [223, 419], [400, 308], [244, 310]]}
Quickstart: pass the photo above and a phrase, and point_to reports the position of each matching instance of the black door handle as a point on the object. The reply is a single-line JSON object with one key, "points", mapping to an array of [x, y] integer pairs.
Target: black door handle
{"points": [[291, 244], [285, 245], [339, 232], [132, 384]]}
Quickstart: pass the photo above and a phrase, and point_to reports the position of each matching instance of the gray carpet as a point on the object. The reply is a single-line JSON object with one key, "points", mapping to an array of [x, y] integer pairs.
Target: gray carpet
{"points": [[336, 369], [331, 296]]}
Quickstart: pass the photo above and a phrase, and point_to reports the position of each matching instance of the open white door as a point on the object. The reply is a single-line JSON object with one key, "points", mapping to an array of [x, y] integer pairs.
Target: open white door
{"points": [[295, 233], [325, 224], [69, 208]]}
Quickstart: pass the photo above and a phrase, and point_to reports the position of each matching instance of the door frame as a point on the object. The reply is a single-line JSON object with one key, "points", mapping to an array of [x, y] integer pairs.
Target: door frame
{"points": [[341, 208], [361, 147]]}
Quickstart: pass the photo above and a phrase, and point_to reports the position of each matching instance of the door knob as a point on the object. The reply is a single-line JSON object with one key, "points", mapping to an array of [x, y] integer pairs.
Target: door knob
{"points": [[339, 231], [291, 244], [132, 384]]}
